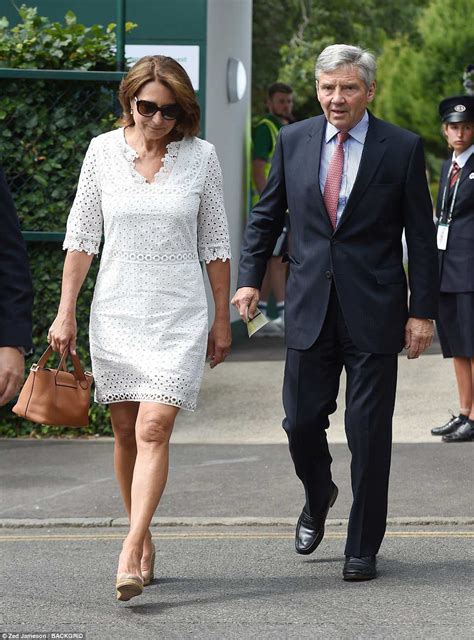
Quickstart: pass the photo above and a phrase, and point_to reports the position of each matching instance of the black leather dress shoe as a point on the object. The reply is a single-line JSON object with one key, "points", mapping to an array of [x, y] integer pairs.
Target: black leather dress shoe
{"points": [[449, 427], [310, 530], [464, 433], [364, 568]]}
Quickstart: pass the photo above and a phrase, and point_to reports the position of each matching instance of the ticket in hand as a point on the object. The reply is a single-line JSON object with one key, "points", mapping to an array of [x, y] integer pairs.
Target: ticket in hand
{"points": [[257, 322]]}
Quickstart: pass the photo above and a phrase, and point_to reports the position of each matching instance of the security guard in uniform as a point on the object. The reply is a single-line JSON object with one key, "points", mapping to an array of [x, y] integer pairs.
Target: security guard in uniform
{"points": [[279, 105], [455, 212]]}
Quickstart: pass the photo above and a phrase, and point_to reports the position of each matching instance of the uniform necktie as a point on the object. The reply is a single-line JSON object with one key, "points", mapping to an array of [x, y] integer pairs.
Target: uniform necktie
{"points": [[455, 169], [332, 185]]}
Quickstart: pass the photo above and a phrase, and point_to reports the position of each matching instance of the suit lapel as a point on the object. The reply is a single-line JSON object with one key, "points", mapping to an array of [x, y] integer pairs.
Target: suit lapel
{"points": [[444, 173], [467, 170], [442, 185], [314, 143], [372, 154]]}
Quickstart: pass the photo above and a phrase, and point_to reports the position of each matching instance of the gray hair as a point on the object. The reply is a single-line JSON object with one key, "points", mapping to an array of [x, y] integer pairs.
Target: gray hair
{"points": [[345, 55]]}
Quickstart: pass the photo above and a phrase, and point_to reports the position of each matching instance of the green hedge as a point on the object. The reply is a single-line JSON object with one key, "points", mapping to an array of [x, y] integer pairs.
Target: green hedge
{"points": [[45, 128], [46, 260]]}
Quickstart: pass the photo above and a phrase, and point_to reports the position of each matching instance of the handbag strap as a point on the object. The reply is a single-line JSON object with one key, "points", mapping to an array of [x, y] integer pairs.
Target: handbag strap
{"points": [[78, 370]]}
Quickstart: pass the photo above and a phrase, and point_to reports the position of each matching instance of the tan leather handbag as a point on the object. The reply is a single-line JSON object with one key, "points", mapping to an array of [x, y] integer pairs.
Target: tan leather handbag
{"points": [[56, 396]]}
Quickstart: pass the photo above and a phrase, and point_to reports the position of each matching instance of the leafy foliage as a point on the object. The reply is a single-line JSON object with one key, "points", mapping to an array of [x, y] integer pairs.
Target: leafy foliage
{"points": [[366, 23], [45, 128], [37, 43], [273, 25], [289, 35], [46, 261], [423, 48], [46, 125], [415, 77]]}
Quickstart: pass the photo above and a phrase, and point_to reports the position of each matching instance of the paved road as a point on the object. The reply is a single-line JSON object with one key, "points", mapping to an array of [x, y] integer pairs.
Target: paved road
{"points": [[230, 464], [53, 479], [232, 582], [239, 584], [240, 402]]}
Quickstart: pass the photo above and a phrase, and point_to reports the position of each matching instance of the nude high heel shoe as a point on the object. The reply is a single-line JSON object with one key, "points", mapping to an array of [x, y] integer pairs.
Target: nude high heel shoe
{"points": [[128, 586], [149, 574]]}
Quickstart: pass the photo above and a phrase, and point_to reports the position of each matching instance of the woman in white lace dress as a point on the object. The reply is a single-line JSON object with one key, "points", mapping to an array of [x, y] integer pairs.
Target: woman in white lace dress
{"points": [[155, 192]]}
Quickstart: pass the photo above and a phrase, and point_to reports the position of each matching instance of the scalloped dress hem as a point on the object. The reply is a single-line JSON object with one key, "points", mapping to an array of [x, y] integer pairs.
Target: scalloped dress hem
{"points": [[186, 405]]}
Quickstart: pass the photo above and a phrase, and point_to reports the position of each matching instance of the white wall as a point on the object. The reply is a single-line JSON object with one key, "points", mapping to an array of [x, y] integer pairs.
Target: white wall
{"points": [[229, 34]]}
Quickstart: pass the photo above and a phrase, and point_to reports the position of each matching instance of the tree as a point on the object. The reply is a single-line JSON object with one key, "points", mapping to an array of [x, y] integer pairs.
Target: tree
{"points": [[367, 23], [273, 25], [414, 77], [45, 127]]}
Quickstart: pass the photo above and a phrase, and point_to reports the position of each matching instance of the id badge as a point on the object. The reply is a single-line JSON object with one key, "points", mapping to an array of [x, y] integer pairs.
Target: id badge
{"points": [[442, 236]]}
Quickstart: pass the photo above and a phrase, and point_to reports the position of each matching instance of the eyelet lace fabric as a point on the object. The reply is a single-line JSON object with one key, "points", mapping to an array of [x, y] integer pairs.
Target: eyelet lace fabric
{"points": [[148, 323]]}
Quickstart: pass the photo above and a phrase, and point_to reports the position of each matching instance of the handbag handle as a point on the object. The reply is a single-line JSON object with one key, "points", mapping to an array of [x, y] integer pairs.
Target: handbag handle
{"points": [[78, 370]]}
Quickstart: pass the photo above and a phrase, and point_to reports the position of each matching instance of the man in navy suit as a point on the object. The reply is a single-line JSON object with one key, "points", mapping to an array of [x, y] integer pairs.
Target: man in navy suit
{"points": [[351, 183], [16, 298]]}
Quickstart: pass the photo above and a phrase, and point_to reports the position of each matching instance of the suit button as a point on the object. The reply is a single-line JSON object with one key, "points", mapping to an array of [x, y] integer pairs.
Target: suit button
{"points": [[328, 275]]}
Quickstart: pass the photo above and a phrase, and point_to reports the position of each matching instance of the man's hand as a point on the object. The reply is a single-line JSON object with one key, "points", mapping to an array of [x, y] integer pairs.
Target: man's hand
{"points": [[12, 371], [245, 301], [418, 336], [218, 342]]}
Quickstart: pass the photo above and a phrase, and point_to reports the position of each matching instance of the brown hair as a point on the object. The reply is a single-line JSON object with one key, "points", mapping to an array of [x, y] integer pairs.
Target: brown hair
{"points": [[278, 87], [172, 75]]}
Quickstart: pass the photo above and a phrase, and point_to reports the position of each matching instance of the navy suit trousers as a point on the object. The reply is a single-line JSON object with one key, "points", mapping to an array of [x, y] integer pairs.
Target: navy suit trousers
{"points": [[310, 390]]}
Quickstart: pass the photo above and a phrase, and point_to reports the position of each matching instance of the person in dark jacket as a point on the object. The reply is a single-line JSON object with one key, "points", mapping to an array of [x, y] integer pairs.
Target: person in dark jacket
{"points": [[455, 212], [16, 298], [351, 183]]}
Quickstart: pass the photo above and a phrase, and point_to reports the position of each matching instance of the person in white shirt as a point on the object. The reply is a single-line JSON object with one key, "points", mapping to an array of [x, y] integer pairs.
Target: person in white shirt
{"points": [[455, 213]]}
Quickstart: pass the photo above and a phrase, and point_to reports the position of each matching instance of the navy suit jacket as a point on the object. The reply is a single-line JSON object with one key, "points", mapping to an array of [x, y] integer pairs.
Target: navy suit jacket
{"points": [[16, 291], [457, 262], [363, 256]]}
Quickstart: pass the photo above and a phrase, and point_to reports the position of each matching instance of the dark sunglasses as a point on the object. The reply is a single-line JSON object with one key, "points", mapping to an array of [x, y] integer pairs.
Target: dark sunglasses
{"points": [[148, 109]]}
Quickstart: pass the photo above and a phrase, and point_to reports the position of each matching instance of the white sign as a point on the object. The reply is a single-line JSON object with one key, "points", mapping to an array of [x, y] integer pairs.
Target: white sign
{"points": [[186, 55]]}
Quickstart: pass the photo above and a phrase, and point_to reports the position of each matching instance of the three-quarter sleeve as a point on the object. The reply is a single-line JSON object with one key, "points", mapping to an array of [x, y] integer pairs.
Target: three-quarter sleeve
{"points": [[84, 224], [213, 232]]}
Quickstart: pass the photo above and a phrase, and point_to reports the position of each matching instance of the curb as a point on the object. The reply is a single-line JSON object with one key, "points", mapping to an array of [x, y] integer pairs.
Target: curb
{"points": [[43, 523]]}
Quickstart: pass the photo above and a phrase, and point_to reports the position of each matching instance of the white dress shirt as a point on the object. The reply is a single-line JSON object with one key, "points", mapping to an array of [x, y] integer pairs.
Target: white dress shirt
{"points": [[463, 157], [353, 148]]}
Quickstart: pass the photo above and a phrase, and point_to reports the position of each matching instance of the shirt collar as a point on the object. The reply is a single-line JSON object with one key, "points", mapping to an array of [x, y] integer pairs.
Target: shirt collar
{"points": [[358, 132], [463, 157]]}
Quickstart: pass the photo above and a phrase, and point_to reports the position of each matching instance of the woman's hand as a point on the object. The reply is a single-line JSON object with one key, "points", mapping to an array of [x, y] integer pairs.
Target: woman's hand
{"points": [[218, 342], [63, 332]]}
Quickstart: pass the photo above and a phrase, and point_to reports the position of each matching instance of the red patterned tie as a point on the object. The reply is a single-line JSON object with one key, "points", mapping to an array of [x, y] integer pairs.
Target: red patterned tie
{"points": [[332, 186], [454, 174]]}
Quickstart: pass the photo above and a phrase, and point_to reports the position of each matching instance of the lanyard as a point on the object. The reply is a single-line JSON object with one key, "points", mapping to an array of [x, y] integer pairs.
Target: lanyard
{"points": [[453, 199]]}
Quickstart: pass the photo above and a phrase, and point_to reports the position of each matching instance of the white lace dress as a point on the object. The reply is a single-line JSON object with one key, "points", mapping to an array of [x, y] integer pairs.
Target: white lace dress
{"points": [[148, 322]]}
